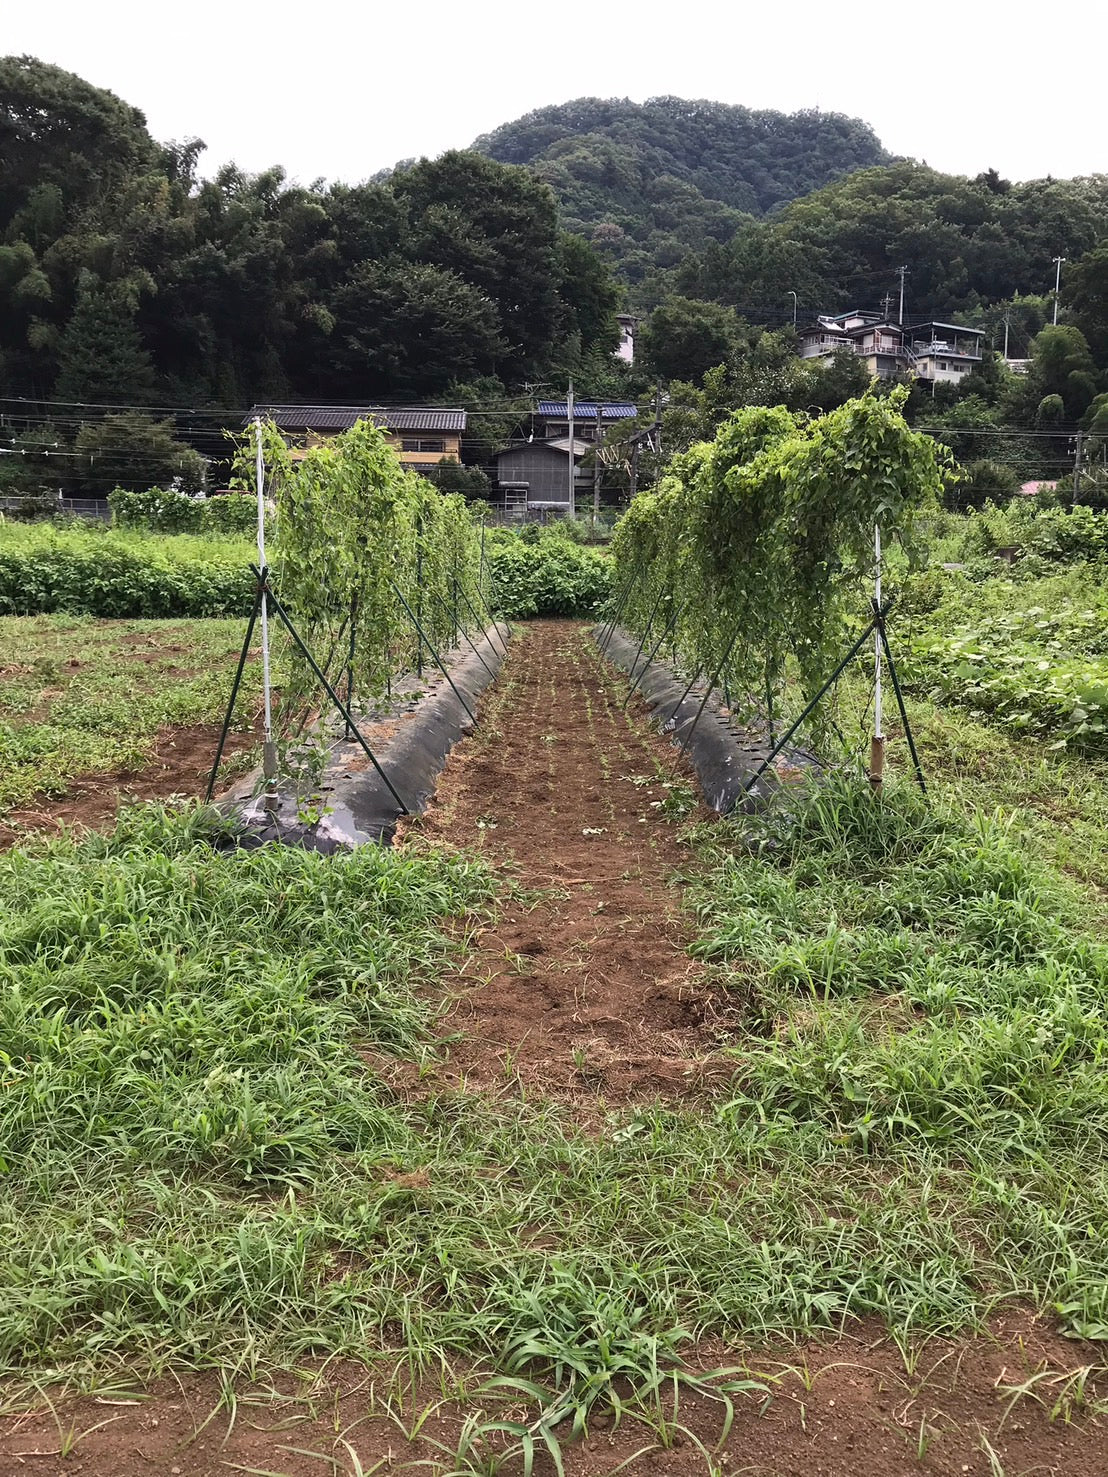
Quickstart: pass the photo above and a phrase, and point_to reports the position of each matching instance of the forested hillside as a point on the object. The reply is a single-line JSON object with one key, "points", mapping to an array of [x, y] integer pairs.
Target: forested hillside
{"points": [[967, 243], [647, 182], [126, 277]]}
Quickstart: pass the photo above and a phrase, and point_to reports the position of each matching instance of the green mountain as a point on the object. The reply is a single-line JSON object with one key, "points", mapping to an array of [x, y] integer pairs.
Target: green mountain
{"points": [[648, 182], [968, 244]]}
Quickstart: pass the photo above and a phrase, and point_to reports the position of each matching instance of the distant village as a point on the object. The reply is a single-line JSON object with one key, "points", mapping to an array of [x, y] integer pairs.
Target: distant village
{"points": [[531, 476]]}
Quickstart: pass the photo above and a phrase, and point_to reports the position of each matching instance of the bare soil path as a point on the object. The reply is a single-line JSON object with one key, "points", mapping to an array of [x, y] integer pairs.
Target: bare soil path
{"points": [[583, 988]]}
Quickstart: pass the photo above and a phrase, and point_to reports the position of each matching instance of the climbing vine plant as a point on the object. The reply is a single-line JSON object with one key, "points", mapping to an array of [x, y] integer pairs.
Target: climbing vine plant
{"points": [[755, 550], [364, 553]]}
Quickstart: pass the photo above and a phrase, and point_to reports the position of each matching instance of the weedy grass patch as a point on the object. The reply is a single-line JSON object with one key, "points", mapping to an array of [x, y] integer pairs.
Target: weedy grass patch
{"points": [[79, 695], [202, 1166], [928, 997]]}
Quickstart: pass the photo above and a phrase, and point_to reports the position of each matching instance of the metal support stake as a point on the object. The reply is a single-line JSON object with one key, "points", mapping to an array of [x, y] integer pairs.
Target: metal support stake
{"points": [[783, 742], [235, 685], [608, 628], [692, 683], [674, 618], [344, 711], [454, 602], [880, 621], [434, 654], [877, 743], [419, 587], [350, 658], [479, 622], [473, 648], [708, 691], [649, 627], [269, 747], [493, 622]]}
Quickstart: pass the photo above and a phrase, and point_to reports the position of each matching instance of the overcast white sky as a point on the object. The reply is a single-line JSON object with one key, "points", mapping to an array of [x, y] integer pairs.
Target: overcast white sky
{"points": [[342, 90]]}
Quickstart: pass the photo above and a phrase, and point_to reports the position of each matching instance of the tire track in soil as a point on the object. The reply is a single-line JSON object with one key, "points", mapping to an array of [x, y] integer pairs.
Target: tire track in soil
{"points": [[587, 992]]}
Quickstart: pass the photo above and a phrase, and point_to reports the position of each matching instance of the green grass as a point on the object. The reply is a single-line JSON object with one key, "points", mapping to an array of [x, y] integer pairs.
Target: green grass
{"points": [[79, 695], [206, 1160], [200, 1166]]}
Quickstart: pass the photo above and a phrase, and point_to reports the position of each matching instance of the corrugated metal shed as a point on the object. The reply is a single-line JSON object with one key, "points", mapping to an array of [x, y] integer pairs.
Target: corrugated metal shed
{"points": [[342, 417], [585, 410]]}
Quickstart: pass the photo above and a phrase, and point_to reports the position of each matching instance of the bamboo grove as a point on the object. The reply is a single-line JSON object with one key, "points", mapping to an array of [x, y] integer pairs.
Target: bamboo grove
{"points": [[751, 558], [379, 569]]}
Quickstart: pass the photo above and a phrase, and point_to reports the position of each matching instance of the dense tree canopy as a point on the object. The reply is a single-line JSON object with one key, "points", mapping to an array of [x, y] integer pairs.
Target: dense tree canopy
{"points": [[966, 242], [125, 278]]}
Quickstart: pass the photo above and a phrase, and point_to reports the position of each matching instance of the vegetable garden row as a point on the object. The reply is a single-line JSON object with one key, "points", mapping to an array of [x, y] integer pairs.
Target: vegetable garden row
{"points": [[232, 1132]]}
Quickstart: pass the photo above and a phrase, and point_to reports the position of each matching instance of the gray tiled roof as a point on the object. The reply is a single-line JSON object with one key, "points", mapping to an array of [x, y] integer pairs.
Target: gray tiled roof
{"points": [[586, 409], [342, 417]]}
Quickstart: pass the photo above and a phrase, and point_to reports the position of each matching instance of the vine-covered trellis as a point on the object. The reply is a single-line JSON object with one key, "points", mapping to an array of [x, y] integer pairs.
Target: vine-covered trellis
{"points": [[751, 562], [375, 572], [368, 552]]}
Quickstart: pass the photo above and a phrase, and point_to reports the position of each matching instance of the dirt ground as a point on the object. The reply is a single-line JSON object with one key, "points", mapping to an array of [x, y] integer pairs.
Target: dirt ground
{"points": [[179, 765], [581, 989]]}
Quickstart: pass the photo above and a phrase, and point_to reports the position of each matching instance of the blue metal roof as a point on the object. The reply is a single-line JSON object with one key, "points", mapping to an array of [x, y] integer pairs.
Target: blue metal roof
{"points": [[586, 409]]}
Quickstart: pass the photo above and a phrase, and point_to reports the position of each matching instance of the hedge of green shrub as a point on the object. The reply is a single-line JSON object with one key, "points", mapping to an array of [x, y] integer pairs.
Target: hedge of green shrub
{"points": [[551, 576], [132, 574], [158, 511], [117, 573]]}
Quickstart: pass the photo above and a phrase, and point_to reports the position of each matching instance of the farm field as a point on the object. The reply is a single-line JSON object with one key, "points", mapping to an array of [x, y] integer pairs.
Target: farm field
{"points": [[92, 711], [836, 1127]]}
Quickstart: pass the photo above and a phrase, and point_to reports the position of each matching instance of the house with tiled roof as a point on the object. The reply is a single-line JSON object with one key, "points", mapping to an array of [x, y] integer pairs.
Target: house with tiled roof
{"points": [[421, 435]]}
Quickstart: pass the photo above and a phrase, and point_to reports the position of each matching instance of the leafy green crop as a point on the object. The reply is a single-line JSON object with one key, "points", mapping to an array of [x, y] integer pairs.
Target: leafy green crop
{"points": [[156, 511], [120, 573], [553, 577], [1026, 672]]}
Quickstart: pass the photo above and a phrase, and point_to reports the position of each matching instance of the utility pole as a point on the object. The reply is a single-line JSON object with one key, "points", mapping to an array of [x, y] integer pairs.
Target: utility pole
{"points": [[1006, 319], [1077, 469], [885, 301], [1058, 260], [596, 471], [902, 271], [633, 475], [657, 432], [572, 460]]}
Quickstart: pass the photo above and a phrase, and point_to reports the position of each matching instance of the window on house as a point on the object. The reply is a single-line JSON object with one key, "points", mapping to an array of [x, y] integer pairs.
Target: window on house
{"points": [[425, 444]]}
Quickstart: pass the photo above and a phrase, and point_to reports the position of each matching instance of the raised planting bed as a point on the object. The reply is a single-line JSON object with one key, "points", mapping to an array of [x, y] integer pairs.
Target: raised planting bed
{"points": [[726, 757], [410, 733]]}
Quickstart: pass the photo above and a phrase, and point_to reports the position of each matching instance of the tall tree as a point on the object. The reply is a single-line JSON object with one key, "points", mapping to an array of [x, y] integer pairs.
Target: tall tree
{"points": [[496, 227], [404, 329], [683, 339], [1062, 366], [1086, 295], [101, 359]]}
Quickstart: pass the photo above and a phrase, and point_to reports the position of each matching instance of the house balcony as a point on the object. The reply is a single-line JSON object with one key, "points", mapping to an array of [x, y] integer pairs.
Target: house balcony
{"points": [[949, 350]]}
